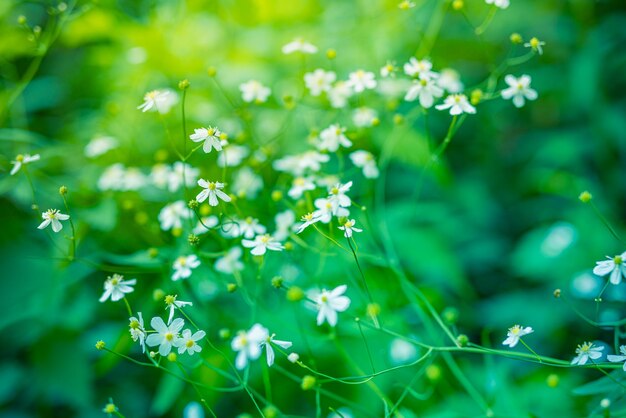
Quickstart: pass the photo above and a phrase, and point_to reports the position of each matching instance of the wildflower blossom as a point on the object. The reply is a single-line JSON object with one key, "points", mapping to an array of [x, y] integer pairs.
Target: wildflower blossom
{"points": [[211, 137], [364, 117], [248, 345], [617, 359], [21, 160], [212, 190], [337, 194], [450, 81], [388, 70], [171, 215], [319, 81], [332, 137], [585, 352], [137, 330], [536, 45], [426, 90], [514, 334], [502, 4], [261, 244], [158, 100], [172, 304], [329, 303], [519, 90], [53, 217], [230, 262], [246, 183], [299, 45], [205, 224], [614, 266], [115, 287], [348, 228], [297, 165], [183, 266], [457, 103], [339, 94], [175, 177], [250, 227], [232, 156], [308, 219], [253, 91], [99, 146], [299, 186], [365, 160], [112, 178], [360, 80], [133, 179], [326, 209], [269, 350], [419, 68], [166, 335], [188, 342]]}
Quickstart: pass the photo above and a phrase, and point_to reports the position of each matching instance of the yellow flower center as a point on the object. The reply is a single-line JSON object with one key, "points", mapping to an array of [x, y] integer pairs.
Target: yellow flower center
{"points": [[170, 299], [182, 261], [210, 132], [19, 158], [115, 281], [534, 43], [324, 298], [169, 336], [423, 82], [334, 190], [134, 324], [265, 239], [617, 260], [249, 220], [299, 181], [190, 343], [211, 186]]}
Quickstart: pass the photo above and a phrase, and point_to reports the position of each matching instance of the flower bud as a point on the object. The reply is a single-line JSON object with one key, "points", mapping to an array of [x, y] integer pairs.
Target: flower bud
{"points": [[462, 340], [21, 19], [552, 380], [308, 382], [585, 197], [224, 333], [476, 96], [193, 240], [295, 294], [433, 372], [183, 84], [172, 357], [516, 38], [557, 293], [231, 287], [211, 71], [293, 357], [450, 315], [277, 282], [331, 54], [100, 345], [63, 190], [457, 4], [158, 294]]}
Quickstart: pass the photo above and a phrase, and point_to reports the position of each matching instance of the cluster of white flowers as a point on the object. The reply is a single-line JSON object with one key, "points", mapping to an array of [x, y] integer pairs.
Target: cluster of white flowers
{"points": [[53, 217], [249, 345], [615, 267], [328, 303], [159, 101], [169, 335]]}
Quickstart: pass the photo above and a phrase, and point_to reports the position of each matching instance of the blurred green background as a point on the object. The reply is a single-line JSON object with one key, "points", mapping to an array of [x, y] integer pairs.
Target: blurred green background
{"points": [[496, 228]]}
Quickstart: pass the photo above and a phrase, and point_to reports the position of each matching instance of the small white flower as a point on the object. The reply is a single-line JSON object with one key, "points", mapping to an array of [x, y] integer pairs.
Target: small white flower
{"points": [[337, 194], [232, 156], [175, 177], [319, 81], [299, 186], [519, 90], [365, 160], [250, 227], [247, 183], [329, 303], [293, 357], [348, 228], [388, 70], [53, 216], [100, 145], [297, 165], [189, 342], [616, 266], [183, 266], [457, 103], [269, 350], [503, 4], [339, 94], [171, 215], [21, 160], [116, 287], [208, 223], [166, 336], [212, 190], [360, 80], [536, 45], [112, 178], [426, 90], [585, 352], [137, 330], [450, 81], [261, 244], [230, 262], [211, 137], [248, 345], [364, 117], [133, 179], [419, 68], [159, 100], [307, 220], [172, 304], [332, 137], [618, 359], [299, 45], [326, 209], [514, 334], [253, 91]]}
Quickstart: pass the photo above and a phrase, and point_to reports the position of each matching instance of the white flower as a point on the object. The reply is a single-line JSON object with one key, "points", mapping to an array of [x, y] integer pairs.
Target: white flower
{"points": [[293, 357], [100, 145], [171, 215], [388, 70], [253, 91], [617, 359], [205, 224], [585, 352], [329, 303], [232, 156], [137, 330], [246, 183], [172, 304], [536, 45], [269, 350], [360, 80], [112, 178], [457, 103], [364, 117], [615, 266], [519, 89], [419, 68], [166, 336], [248, 345], [426, 90], [158, 100], [337, 194], [250, 227], [401, 351], [348, 228], [365, 160], [284, 224], [230, 262], [212, 190], [299, 45], [332, 137], [297, 165], [339, 94], [450, 81], [133, 179], [175, 176], [503, 4], [211, 137], [514, 334], [53, 216], [326, 209], [183, 266], [21, 160], [116, 287], [299, 186], [189, 342], [261, 244], [319, 81], [159, 175], [307, 220]]}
